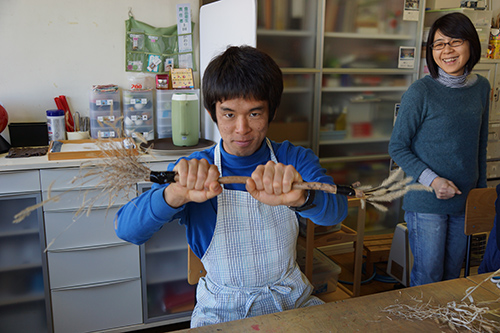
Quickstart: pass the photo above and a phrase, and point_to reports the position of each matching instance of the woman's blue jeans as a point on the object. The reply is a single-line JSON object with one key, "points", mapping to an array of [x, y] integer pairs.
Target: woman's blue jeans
{"points": [[438, 244]]}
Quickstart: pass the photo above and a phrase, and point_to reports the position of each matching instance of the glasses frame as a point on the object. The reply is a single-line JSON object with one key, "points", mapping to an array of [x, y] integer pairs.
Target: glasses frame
{"points": [[448, 43]]}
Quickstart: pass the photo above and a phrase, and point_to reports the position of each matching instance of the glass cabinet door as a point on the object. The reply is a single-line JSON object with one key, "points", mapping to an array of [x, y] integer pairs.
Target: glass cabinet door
{"points": [[167, 295], [294, 116], [22, 276], [287, 31], [371, 55]]}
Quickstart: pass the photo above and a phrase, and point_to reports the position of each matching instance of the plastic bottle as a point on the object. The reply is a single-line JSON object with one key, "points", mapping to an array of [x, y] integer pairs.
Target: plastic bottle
{"points": [[56, 125], [340, 123]]}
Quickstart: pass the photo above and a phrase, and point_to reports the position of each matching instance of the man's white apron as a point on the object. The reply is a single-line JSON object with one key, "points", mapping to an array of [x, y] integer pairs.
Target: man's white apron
{"points": [[250, 262]]}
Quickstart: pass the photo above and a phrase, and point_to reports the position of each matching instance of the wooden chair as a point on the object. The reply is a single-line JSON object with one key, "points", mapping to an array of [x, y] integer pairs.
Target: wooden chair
{"points": [[195, 268], [344, 235], [479, 217]]}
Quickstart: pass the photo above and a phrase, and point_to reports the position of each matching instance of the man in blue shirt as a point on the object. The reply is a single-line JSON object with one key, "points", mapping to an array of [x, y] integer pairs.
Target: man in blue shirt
{"points": [[244, 234]]}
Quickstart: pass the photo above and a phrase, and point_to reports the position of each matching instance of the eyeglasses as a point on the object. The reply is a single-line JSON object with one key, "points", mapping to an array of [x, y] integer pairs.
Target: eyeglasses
{"points": [[453, 43]]}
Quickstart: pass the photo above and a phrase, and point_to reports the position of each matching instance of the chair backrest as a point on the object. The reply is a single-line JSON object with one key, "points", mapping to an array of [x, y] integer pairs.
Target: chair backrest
{"points": [[480, 210], [195, 268]]}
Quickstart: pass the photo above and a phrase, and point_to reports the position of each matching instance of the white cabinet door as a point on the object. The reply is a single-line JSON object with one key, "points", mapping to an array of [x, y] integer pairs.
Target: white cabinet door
{"points": [[224, 23], [488, 70]]}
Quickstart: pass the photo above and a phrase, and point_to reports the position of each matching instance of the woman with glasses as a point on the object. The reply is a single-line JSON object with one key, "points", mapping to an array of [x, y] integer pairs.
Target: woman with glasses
{"points": [[439, 139]]}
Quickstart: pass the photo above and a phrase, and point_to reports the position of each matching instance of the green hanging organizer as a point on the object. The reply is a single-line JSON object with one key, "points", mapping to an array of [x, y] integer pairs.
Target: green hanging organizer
{"points": [[152, 50]]}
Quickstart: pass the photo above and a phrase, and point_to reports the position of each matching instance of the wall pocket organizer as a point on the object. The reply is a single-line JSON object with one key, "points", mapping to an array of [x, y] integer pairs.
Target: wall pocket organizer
{"points": [[155, 50]]}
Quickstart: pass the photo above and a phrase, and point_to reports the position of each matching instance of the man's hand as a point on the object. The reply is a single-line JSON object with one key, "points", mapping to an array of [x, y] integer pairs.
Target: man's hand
{"points": [[444, 188], [197, 182], [272, 184]]}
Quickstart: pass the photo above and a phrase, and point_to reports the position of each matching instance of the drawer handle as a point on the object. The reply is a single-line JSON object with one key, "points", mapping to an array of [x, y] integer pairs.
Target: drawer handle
{"points": [[84, 212], [86, 248], [96, 285]]}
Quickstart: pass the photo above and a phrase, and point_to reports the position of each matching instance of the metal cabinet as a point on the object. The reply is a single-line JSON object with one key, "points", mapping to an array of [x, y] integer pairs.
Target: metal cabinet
{"points": [[94, 277], [23, 278]]}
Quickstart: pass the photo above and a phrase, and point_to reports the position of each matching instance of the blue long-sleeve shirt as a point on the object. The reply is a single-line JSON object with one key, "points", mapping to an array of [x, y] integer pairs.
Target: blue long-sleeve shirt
{"points": [[445, 130], [138, 220]]}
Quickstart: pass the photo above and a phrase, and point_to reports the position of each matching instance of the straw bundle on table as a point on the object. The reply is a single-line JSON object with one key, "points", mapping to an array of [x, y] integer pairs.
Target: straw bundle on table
{"points": [[454, 314]]}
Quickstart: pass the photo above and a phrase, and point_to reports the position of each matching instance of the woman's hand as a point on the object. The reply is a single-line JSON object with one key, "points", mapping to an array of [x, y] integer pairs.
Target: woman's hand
{"points": [[272, 184], [444, 188]]}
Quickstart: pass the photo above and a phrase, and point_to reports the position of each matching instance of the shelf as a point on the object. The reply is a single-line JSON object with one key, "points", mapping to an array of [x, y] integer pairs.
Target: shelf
{"points": [[355, 35], [297, 90], [369, 70], [32, 297], [15, 233], [165, 249], [355, 140], [355, 158], [285, 33], [293, 70], [22, 267], [364, 89], [344, 235]]}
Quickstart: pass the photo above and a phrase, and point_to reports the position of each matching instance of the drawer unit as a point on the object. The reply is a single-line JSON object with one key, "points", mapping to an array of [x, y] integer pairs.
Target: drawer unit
{"points": [[138, 113], [75, 199], [62, 231], [105, 114], [97, 306], [83, 266], [164, 113], [493, 150], [61, 178], [493, 169], [19, 181], [494, 132]]}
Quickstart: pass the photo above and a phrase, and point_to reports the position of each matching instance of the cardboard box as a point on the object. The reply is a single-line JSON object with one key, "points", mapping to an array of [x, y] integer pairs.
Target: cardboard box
{"points": [[442, 4], [291, 131]]}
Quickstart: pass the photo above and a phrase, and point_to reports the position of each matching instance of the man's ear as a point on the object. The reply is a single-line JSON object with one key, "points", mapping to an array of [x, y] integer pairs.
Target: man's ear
{"points": [[214, 120], [275, 113]]}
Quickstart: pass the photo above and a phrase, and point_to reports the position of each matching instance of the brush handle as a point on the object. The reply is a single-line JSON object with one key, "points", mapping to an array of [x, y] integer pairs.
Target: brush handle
{"points": [[164, 177]]}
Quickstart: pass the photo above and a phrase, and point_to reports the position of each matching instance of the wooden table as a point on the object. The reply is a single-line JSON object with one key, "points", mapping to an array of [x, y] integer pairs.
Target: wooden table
{"points": [[362, 314], [490, 286]]}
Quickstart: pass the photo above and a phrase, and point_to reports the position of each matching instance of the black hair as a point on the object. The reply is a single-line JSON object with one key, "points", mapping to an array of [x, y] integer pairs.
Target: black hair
{"points": [[242, 72], [454, 25]]}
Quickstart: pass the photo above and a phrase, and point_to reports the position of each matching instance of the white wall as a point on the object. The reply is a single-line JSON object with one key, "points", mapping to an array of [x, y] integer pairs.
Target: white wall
{"points": [[63, 47]]}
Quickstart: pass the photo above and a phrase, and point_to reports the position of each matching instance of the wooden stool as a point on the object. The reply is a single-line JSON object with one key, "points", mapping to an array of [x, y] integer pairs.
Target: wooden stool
{"points": [[376, 248]]}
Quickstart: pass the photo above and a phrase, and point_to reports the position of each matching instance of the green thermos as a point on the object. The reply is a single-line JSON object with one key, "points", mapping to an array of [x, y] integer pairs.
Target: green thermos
{"points": [[185, 119]]}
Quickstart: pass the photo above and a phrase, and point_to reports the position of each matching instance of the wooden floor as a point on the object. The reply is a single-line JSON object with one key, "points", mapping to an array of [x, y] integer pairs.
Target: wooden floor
{"points": [[346, 262], [382, 282]]}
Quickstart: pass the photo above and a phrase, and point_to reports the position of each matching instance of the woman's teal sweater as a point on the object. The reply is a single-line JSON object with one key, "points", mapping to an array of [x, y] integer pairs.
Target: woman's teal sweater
{"points": [[446, 130]]}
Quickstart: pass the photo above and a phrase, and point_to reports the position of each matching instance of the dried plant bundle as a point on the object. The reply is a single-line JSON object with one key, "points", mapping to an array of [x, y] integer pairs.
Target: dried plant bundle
{"points": [[116, 175], [392, 188], [453, 314]]}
